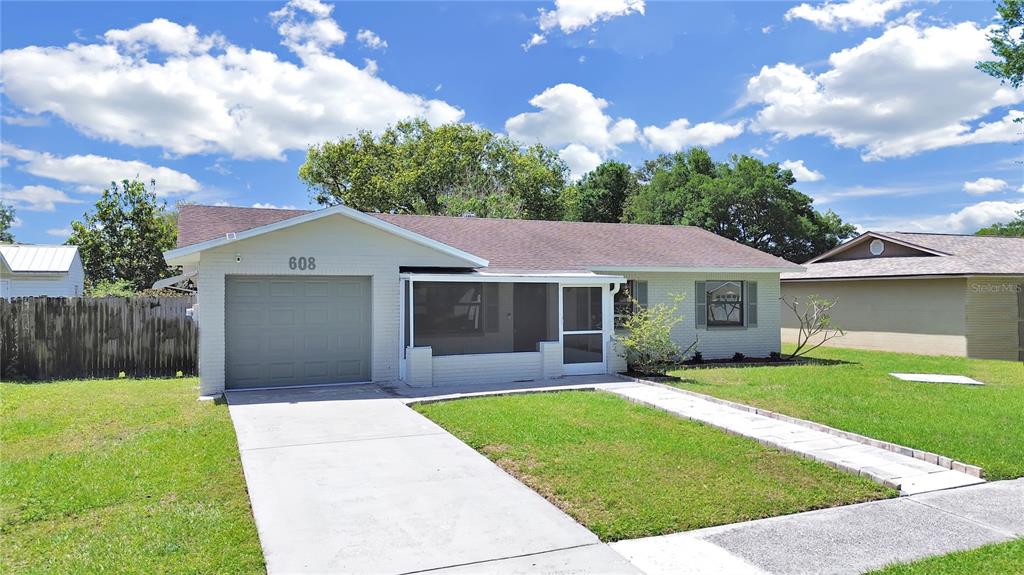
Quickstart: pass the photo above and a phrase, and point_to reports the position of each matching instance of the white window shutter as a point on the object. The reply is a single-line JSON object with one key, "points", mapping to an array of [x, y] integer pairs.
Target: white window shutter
{"points": [[700, 311], [751, 304]]}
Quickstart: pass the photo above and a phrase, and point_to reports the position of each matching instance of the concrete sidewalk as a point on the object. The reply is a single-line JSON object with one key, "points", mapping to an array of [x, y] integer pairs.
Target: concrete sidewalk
{"points": [[351, 480], [909, 475], [841, 540]]}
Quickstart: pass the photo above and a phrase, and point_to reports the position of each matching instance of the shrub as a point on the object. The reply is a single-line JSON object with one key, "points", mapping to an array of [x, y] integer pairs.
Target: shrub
{"points": [[816, 327], [738, 356], [649, 346], [111, 288]]}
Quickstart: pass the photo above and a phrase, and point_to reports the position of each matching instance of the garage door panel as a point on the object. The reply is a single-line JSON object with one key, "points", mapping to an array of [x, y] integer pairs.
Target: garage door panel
{"points": [[285, 288], [296, 331], [282, 318], [349, 368]]}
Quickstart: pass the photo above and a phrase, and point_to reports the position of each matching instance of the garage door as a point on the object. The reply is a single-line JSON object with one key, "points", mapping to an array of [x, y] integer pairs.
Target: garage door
{"points": [[283, 330]]}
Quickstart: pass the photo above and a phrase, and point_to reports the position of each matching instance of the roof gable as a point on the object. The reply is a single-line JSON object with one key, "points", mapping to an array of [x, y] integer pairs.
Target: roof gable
{"points": [[860, 248], [189, 253]]}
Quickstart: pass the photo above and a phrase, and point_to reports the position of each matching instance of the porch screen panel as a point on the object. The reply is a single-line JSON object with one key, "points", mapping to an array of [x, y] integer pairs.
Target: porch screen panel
{"points": [[462, 318]]}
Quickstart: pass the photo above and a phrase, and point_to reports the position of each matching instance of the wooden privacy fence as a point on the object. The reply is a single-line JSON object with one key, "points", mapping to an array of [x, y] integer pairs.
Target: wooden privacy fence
{"points": [[52, 338]]}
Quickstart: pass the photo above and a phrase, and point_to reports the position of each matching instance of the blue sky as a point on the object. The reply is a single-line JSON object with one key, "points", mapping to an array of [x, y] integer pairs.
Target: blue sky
{"points": [[874, 103]]}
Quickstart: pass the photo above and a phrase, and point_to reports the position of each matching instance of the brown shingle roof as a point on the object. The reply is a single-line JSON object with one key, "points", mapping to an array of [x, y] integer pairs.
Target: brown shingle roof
{"points": [[968, 255], [522, 245]]}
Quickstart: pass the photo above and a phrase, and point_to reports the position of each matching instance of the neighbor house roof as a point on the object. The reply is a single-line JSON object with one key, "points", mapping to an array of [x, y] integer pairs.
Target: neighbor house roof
{"points": [[520, 245], [941, 255], [38, 258]]}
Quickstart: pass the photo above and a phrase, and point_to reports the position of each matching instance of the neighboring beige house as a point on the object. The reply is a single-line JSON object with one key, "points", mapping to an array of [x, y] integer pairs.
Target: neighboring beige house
{"points": [[39, 270], [288, 297], [935, 294]]}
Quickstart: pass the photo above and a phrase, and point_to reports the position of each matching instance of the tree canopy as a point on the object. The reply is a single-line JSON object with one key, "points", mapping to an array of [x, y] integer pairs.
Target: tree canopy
{"points": [[1007, 44], [451, 169], [1011, 229], [455, 169], [124, 237], [600, 195], [6, 223], [743, 199]]}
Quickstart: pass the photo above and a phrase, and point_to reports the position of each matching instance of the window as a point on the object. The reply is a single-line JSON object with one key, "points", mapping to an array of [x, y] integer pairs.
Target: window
{"points": [[724, 303], [633, 295]]}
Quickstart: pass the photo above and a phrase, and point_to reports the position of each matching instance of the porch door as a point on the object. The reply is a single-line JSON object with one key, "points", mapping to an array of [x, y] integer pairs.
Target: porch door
{"points": [[583, 330]]}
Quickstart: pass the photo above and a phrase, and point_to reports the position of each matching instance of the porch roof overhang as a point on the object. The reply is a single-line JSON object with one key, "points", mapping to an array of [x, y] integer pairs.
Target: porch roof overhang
{"points": [[584, 278]]}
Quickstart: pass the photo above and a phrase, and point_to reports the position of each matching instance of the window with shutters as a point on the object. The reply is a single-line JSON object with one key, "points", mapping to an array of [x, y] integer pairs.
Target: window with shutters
{"points": [[628, 299], [724, 303]]}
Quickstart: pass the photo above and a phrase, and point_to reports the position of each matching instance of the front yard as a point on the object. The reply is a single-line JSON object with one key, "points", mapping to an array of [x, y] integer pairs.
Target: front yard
{"points": [[982, 426], [626, 470], [121, 477]]}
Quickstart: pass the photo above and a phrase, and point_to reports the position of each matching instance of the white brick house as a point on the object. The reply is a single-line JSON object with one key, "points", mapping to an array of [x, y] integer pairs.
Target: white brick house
{"points": [[288, 297]]}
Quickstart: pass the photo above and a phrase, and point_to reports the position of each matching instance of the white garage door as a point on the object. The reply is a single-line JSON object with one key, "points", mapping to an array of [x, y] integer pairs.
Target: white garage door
{"points": [[285, 330]]}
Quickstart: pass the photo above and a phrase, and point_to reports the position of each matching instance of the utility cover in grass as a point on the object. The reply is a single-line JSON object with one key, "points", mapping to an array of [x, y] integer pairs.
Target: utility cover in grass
{"points": [[937, 378]]}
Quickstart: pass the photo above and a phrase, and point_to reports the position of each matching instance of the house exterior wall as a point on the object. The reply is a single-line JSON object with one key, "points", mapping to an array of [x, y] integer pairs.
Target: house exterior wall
{"points": [[923, 316], [717, 342], [32, 284], [993, 318], [342, 247]]}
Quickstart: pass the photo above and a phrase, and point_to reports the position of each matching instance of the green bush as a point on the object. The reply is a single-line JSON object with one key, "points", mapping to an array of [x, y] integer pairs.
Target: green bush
{"points": [[649, 346]]}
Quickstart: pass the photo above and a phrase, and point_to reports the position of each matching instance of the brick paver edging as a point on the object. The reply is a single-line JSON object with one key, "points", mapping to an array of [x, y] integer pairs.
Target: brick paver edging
{"points": [[927, 456]]}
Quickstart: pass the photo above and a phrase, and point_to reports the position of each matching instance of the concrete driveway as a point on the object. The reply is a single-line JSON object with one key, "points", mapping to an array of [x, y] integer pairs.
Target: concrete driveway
{"points": [[351, 480]]}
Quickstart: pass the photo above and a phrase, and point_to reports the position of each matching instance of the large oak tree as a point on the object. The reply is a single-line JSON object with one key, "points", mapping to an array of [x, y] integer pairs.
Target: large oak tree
{"points": [[453, 169], [743, 199]]}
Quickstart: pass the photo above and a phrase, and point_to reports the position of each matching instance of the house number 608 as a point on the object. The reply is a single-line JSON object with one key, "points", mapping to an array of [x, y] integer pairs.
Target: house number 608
{"points": [[302, 263]]}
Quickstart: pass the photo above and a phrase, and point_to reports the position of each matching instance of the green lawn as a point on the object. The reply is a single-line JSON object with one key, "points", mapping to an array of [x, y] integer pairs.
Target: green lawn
{"points": [[121, 476], [626, 470], [982, 426], [1002, 558]]}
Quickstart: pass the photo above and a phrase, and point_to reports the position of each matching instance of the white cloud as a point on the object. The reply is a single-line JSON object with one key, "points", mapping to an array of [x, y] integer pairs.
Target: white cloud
{"points": [[268, 206], [306, 27], [17, 222], [845, 15], [801, 172], [244, 102], [92, 173], [36, 198], [759, 152], [679, 134], [580, 159], [965, 221], [983, 186], [163, 35], [570, 114], [26, 121], [905, 92], [371, 40], [572, 15], [63, 233]]}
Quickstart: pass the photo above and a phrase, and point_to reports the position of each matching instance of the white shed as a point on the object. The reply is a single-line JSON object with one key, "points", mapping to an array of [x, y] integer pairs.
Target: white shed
{"points": [[37, 270]]}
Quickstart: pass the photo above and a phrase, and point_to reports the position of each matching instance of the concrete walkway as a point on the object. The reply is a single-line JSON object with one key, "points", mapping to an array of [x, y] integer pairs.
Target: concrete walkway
{"points": [[909, 475], [841, 540], [351, 480]]}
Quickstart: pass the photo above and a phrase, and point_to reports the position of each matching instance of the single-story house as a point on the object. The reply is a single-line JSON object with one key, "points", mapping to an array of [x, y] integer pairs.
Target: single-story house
{"points": [[38, 270], [936, 294], [289, 297]]}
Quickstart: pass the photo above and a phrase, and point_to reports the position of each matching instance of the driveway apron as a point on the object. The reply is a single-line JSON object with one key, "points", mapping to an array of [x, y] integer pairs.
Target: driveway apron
{"points": [[351, 480]]}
